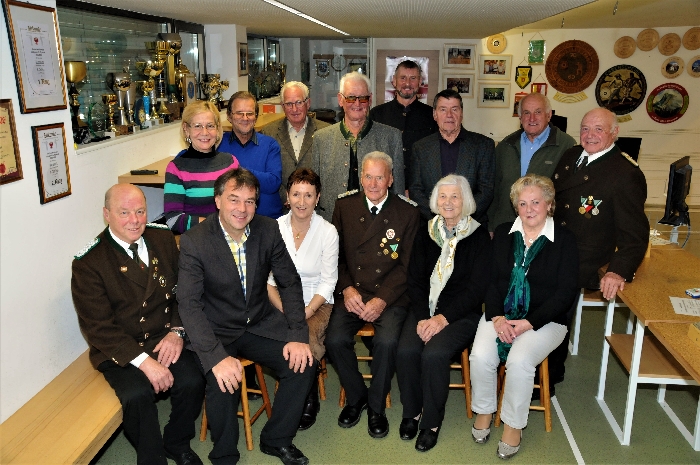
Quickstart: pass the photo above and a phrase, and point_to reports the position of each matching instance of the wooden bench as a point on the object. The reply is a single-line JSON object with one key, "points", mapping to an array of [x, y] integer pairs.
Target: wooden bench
{"points": [[66, 422]]}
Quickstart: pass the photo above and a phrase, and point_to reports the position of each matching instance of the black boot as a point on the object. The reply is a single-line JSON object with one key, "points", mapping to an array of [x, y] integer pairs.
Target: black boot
{"points": [[311, 407], [251, 381]]}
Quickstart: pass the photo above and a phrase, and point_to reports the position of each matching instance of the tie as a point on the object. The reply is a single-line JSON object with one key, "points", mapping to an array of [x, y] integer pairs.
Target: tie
{"points": [[582, 163], [135, 253], [374, 210]]}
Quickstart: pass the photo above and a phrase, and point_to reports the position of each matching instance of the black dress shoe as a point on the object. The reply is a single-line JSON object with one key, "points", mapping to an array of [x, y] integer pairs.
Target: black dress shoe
{"points": [[408, 429], [308, 416], [350, 415], [289, 455], [377, 424], [251, 381], [427, 439], [187, 457]]}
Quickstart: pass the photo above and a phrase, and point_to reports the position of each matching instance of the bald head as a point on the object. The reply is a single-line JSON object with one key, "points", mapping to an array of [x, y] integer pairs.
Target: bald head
{"points": [[119, 190], [598, 130], [125, 212]]}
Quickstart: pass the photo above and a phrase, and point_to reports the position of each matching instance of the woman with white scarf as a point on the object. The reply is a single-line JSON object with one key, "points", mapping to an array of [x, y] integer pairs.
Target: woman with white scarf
{"points": [[446, 285]]}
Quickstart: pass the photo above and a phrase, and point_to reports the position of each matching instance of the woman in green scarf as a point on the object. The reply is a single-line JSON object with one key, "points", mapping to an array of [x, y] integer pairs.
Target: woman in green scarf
{"points": [[533, 285], [446, 284]]}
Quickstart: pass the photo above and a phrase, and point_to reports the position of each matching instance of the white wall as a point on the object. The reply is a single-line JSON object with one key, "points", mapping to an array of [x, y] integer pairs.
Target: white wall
{"points": [[661, 143], [222, 54], [39, 334]]}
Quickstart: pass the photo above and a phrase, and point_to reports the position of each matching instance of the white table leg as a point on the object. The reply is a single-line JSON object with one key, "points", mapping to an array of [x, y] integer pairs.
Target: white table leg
{"points": [[633, 381], [609, 314]]}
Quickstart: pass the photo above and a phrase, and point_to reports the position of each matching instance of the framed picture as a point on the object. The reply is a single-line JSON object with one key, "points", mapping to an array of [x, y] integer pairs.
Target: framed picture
{"points": [[516, 102], [36, 52], [539, 87], [493, 95], [358, 65], [10, 161], [242, 58], [461, 82], [51, 161], [495, 67], [189, 87], [459, 56]]}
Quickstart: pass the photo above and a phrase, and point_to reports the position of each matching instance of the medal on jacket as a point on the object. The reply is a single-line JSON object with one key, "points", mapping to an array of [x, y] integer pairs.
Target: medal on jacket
{"points": [[589, 206], [394, 255]]}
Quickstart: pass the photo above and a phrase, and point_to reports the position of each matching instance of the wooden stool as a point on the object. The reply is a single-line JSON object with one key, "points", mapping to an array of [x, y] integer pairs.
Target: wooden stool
{"points": [[366, 330], [245, 414], [592, 298], [466, 382], [543, 386]]}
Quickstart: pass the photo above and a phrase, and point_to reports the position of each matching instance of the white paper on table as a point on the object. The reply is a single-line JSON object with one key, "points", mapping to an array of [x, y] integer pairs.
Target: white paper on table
{"points": [[686, 306]]}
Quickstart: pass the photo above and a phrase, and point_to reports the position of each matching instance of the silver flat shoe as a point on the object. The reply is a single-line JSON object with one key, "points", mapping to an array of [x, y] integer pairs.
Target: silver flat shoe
{"points": [[506, 451], [481, 436]]}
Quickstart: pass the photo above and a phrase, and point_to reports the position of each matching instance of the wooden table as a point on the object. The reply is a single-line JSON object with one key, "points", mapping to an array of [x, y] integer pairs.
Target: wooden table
{"points": [[149, 179], [668, 271]]}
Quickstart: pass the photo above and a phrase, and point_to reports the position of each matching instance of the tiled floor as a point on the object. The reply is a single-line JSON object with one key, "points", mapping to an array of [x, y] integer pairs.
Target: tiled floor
{"points": [[654, 437]]}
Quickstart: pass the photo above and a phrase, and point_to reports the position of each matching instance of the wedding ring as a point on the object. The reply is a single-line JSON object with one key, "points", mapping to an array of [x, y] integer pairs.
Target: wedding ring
{"points": [[500, 332]]}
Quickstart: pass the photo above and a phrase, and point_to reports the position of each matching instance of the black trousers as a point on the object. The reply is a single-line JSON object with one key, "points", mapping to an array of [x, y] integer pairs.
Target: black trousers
{"points": [[140, 414], [222, 407], [558, 356], [423, 370], [340, 344]]}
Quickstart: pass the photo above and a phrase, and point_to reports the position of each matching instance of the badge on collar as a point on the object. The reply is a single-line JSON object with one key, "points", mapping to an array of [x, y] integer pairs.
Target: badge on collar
{"points": [[589, 206]]}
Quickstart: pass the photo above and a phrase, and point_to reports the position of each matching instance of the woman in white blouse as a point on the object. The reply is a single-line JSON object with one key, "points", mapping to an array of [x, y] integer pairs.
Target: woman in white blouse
{"points": [[312, 243]]}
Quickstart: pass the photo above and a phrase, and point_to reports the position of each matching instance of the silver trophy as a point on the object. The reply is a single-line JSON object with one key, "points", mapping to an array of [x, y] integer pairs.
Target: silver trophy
{"points": [[122, 83]]}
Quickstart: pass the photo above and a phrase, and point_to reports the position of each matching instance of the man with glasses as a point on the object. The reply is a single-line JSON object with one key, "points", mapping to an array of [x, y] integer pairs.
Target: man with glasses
{"points": [[405, 112], [535, 148], [294, 133], [258, 153], [224, 265], [338, 150], [452, 150]]}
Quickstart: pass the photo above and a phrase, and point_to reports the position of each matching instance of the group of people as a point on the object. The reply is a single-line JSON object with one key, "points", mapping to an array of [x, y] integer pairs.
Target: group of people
{"points": [[397, 217]]}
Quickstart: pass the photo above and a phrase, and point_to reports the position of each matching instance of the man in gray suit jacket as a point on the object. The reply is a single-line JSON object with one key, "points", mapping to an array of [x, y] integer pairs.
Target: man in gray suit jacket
{"points": [[452, 150], [294, 132], [222, 295], [338, 150]]}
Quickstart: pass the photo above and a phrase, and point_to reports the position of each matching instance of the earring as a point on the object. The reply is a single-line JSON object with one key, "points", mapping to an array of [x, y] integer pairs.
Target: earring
{"points": [[188, 140]]}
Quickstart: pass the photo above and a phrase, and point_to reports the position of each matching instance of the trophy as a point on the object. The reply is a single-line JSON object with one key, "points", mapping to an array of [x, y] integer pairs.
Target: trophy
{"points": [[211, 86], [110, 100], [223, 87], [122, 83], [130, 101], [75, 72], [174, 43], [150, 69], [160, 50]]}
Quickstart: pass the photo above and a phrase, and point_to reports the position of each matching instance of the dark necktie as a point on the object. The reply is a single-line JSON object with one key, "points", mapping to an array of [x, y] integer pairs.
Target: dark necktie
{"points": [[583, 163], [135, 253], [374, 211]]}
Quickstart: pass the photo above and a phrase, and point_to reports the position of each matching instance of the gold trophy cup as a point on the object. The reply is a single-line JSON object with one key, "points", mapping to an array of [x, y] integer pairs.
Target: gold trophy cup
{"points": [[110, 100], [75, 72]]}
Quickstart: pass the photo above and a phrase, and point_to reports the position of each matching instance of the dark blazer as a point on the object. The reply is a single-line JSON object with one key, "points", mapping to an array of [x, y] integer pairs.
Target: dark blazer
{"points": [[212, 305], [123, 310], [280, 131], [620, 223], [476, 162], [362, 262], [553, 277], [464, 292]]}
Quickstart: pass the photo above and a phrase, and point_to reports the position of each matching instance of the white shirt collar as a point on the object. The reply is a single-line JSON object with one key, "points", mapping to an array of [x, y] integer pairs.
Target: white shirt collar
{"points": [[140, 242], [290, 128], [547, 230], [379, 206], [594, 156]]}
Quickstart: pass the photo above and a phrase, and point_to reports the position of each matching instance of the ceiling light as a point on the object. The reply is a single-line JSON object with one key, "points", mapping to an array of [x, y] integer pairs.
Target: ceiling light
{"points": [[299, 13]]}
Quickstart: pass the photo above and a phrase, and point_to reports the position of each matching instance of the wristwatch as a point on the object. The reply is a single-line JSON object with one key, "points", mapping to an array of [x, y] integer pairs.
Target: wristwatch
{"points": [[179, 331]]}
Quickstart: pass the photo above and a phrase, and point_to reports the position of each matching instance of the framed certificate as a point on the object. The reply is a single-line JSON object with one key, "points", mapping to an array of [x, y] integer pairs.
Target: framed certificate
{"points": [[10, 161], [51, 161], [36, 52]]}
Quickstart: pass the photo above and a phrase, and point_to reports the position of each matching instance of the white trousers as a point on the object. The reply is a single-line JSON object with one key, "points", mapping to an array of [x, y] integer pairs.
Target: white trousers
{"points": [[528, 351]]}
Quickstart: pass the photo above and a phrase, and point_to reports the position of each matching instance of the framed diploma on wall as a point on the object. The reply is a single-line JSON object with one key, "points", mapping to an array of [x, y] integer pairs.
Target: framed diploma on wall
{"points": [[51, 162], [33, 33], [10, 161]]}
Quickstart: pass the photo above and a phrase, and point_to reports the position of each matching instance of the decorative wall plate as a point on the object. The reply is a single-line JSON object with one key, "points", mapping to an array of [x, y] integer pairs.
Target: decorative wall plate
{"points": [[496, 43], [621, 89], [647, 39], [673, 67], [694, 66], [669, 44], [691, 38], [624, 47], [572, 66], [667, 103]]}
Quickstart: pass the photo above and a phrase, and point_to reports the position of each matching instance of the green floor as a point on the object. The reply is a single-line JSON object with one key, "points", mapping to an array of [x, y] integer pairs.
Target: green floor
{"points": [[654, 437]]}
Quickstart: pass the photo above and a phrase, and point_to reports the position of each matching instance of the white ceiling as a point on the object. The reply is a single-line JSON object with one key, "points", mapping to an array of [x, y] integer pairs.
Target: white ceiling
{"points": [[459, 19]]}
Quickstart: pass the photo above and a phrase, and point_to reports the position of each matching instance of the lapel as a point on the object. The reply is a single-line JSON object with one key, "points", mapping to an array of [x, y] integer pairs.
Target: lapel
{"points": [[284, 140], [434, 162], [308, 139], [464, 161], [372, 227], [152, 271], [222, 252], [127, 266], [252, 246]]}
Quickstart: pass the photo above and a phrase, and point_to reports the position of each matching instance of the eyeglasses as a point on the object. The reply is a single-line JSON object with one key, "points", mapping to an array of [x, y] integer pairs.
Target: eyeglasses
{"points": [[298, 103], [244, 114], [201, 127], [352, 98]]}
